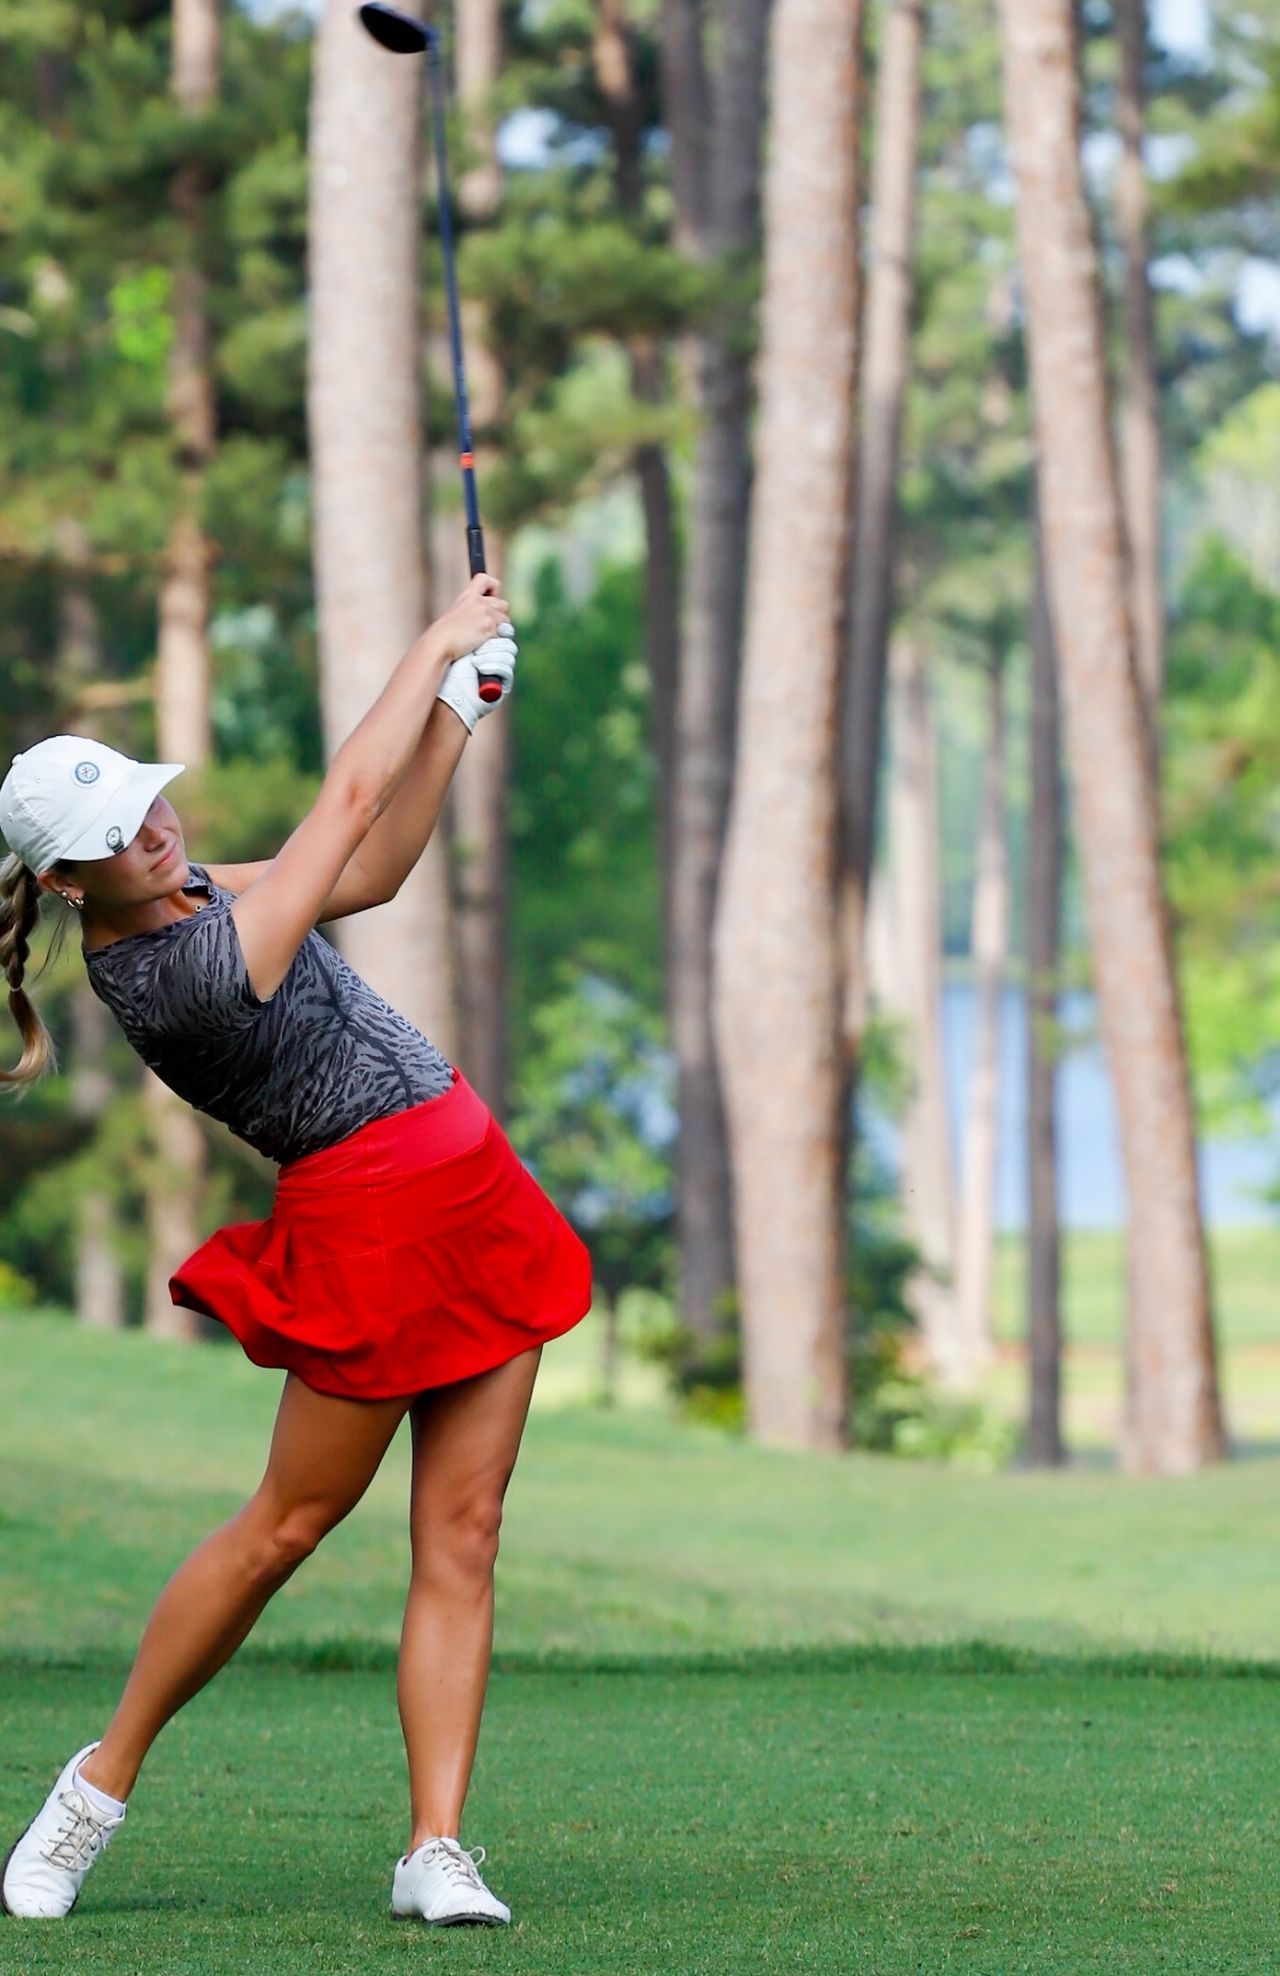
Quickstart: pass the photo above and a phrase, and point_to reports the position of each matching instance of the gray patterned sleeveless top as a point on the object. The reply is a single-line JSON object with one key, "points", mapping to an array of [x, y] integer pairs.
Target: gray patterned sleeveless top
{"points": [[321, 1056]]}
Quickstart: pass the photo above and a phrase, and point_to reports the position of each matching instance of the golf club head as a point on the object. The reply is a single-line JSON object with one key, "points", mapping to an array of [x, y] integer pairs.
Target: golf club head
{"points": [[401, 33]]}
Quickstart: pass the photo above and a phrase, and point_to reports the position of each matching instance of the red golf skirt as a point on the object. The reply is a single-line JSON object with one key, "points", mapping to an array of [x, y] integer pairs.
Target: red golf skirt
{"points": [[416, 1251]]}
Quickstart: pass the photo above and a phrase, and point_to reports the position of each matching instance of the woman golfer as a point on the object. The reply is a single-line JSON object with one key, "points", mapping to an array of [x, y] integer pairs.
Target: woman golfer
{"points": [[410, 1262]]}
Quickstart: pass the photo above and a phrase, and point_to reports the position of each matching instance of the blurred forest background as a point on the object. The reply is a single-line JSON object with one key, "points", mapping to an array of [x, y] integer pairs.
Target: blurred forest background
{"points": [[878, 411]]}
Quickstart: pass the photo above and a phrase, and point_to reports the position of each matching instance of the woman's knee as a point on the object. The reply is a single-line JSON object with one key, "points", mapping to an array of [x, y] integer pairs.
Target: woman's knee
{"points": [[460, 1541], [280, 1538]]}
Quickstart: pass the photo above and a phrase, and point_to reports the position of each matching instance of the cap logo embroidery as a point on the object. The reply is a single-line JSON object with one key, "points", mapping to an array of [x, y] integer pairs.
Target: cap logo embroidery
{"points": [[87, 771], [115, 837]]}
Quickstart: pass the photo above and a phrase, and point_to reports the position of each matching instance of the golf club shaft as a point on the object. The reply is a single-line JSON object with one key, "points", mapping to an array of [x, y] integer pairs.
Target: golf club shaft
{"points": [[489, 688]]}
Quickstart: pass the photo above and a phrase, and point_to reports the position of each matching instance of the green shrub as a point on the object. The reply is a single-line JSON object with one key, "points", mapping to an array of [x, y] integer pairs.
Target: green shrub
{"points": [[17, 1292]]}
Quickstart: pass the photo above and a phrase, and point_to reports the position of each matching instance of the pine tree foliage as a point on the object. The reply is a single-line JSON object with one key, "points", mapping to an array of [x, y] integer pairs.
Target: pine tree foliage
{"points": [[89, 140]]}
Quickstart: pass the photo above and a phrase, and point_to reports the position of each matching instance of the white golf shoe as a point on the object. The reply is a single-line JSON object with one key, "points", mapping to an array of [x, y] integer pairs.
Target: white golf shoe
{"points": [[43, 1872], [441, 1883]]}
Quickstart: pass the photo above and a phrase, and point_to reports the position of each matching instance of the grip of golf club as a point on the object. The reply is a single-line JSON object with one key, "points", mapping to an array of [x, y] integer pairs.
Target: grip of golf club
{"points": [[490, 687]]}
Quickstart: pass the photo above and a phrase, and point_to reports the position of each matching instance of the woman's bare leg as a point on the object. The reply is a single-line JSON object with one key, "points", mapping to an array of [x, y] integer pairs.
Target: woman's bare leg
{"points": [[465, 1440], [324, 1453]]}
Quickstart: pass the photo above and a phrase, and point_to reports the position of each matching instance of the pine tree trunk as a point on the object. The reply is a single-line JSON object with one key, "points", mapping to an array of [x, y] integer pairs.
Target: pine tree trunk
{"points": [[1141, 408], [99, 1278], [478, 799], [610, 1354], [1044, 912], [661, 608], [79, 654], [711, 633], [177, 1152], [914, 885], [183, 686], [885, 358], [614, 55], [99, 1290], [886, 985], [776, 987], [365, 417], [688, 106], [1173, 1414], [479, 836], [475, 821], [183, 677], [975, 1249], [477, 57], [183, 682]]}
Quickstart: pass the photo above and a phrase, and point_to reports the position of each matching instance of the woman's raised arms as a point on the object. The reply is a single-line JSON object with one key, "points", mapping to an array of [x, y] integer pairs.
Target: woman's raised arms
{"points": [[314, 872], [390, 849]]}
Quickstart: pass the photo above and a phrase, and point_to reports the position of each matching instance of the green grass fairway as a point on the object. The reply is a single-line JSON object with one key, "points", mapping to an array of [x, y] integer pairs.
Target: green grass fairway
{"points": [[1246, 1278], [1245, 1264], [865, 1820], [752, 1710], [624, 1536]]}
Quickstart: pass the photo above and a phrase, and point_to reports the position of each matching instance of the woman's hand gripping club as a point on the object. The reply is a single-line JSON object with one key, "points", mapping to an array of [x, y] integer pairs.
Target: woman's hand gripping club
{"points": [[479, 632]]}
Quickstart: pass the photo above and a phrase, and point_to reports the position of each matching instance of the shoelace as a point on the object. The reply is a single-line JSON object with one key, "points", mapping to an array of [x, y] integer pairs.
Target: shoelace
{"points": [[79, 1844], [459, 1867]]}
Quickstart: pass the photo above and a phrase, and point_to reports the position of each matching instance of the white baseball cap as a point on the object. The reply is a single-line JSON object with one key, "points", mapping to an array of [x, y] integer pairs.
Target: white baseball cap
{"points": [[69, 797]]}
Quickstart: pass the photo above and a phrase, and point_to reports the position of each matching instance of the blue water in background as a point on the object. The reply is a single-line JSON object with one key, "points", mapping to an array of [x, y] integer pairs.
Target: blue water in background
{"points": [[1091, 1183]]}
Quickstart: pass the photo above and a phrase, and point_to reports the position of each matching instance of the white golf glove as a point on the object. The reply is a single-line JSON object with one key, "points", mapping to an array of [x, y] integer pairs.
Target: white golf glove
{"points": [[461, 688]]}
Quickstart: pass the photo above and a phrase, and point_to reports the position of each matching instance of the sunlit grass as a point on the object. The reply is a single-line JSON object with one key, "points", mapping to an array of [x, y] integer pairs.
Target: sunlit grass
{"points": [[626, 1533], [684, 1824], [1246, 1270], [1245, 1264], [751, 1709]]}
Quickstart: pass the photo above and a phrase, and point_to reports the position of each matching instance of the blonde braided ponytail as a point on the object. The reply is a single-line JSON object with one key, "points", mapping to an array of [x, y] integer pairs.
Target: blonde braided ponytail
{"points": [[19, 913]]}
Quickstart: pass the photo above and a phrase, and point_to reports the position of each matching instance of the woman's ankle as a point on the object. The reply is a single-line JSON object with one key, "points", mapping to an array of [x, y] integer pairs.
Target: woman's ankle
{"points": [[114, 1781], [434, 1828]]}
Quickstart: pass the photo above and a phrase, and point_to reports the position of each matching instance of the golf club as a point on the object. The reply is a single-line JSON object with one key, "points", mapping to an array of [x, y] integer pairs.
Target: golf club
{"points": [[402, 34]]}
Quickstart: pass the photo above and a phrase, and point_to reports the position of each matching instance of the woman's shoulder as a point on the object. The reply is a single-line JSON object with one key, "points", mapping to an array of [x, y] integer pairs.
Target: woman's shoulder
{"points": [[200, 881], [130, 947], [199, 984]]}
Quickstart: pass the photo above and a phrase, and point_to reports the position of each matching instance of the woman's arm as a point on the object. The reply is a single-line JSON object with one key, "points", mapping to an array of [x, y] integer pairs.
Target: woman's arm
{"points": [[381, 862], [392, 846], [275, 914]]}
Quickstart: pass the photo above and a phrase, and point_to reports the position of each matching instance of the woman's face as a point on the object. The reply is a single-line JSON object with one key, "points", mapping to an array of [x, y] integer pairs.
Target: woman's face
{"points": [[152, 864]]}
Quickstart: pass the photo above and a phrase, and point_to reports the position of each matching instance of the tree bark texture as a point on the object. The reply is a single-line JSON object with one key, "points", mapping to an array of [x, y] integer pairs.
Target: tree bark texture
{"points": [[178, 1158], [99, 1278], [479, 798], [1173, 1413], [687, 102], [79, 650], [912, 878], [364, 405], [776, 991], [614, 55], [885, 359], [183, 674], [183, 685], [481, 892], [476, 824], [1141, 450], [975, 1256], [706, 689], [661, 606], [1044, 913], [183, 711], [477, 63]]}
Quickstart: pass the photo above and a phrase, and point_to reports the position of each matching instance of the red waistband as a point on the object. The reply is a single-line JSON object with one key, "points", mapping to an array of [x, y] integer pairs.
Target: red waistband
{"points": [[440, 1128]]}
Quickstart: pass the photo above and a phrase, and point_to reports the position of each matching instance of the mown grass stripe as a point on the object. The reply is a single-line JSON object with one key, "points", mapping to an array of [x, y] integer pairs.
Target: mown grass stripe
{"points": [[952, 1657]]}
